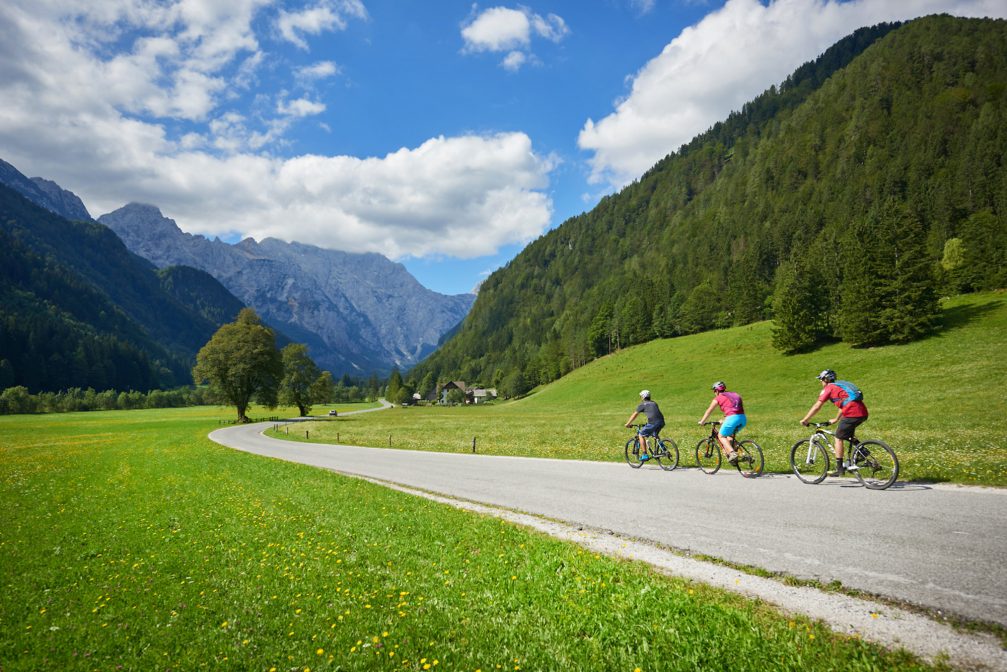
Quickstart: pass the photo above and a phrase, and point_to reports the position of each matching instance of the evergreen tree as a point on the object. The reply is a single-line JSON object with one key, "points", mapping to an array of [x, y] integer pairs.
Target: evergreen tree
{"points": [[599, 333], [799, 307], [241, 363], [426, 385], [913, 308], [888, 288], [701, 309], [984, 250]]}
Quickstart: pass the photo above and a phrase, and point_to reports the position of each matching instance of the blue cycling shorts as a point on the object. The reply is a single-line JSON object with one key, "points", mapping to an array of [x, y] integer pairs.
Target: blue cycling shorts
{"points": [[732, 424], [652, 429]]}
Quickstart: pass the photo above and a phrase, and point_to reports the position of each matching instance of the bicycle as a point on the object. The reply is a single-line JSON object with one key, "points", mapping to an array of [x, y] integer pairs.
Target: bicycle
{"points": [[665, 452], [708, 456], [874, 463]]}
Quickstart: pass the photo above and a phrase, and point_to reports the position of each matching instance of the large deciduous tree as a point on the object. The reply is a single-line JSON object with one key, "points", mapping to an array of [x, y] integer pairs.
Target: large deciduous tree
{"points": [[302, 383], [241, 363]]}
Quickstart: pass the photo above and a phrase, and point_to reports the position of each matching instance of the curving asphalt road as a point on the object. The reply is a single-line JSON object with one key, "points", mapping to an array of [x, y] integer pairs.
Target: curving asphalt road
{"points": [[938, 546]]}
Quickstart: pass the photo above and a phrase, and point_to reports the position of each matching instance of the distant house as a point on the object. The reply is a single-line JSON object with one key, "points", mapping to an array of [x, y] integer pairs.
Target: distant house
{"points": [[482, 395], [473, 395], [455, 385]]}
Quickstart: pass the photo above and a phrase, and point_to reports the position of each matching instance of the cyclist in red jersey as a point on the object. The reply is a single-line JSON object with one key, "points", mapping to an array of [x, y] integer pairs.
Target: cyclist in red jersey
{"points": [[852, 413]]}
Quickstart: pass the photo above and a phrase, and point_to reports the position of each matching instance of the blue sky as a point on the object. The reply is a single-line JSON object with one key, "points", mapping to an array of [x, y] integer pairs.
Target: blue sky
{"points": [[443, 134]]}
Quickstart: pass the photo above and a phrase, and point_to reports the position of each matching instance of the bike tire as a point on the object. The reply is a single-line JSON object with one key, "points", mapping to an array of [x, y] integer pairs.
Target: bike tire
{"points": [[750, 462], [708, 456], [667, 455], [633, 456], [879, 467], [809, 459]]}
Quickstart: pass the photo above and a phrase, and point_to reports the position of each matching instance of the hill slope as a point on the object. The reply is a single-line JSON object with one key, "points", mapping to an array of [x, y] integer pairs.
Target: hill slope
{"points": [[919, 118], [933, 400], [80, 310]]}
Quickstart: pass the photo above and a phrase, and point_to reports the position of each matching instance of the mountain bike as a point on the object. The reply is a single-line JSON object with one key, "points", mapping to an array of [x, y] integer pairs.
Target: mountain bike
{"points": [[873, 462], [662, 451], [708, 458]]}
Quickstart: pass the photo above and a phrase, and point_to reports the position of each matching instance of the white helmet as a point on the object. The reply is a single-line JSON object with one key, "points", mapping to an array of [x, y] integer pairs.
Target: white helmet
{"points": [[644, 393]]}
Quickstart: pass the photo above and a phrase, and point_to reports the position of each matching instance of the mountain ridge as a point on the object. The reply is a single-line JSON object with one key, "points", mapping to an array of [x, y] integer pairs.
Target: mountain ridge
{"points": [[358, 313]]}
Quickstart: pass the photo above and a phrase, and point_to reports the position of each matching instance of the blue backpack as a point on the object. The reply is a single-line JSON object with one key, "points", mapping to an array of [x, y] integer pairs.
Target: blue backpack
{"points": [[853, 392]]}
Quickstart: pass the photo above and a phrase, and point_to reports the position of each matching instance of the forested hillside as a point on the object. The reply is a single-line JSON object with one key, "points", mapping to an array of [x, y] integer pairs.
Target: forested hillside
{"points": [[875, 173], [77, 309]]}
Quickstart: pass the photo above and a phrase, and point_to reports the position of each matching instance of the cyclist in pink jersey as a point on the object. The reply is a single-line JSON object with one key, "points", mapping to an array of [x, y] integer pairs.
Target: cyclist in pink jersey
{"points": [[734, 417], [852, 413]]}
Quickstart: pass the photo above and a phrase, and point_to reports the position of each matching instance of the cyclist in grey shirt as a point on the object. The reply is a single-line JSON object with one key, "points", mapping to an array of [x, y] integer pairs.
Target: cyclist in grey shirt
{"points": [[655, 419]]}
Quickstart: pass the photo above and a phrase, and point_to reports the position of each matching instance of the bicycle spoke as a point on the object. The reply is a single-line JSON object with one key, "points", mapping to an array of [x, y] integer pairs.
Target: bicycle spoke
{"points": [[634, 453], [750, 460], [810, 460], [667, 454], [708, 455], [877, 465]]}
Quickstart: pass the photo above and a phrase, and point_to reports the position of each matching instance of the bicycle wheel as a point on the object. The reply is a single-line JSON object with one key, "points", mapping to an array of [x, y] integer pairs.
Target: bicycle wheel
{"points": [[633, 453], [708, 455], [667, 454], [877, 465], [809, 458], [750, 462]]}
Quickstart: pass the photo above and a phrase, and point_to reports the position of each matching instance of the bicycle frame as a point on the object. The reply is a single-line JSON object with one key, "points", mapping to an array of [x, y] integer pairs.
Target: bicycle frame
{"points": [[821, 432], [715, 434]]}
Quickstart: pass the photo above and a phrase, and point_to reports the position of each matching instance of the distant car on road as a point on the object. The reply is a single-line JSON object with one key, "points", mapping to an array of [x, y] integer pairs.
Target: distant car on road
{"points": [[333, 412]]}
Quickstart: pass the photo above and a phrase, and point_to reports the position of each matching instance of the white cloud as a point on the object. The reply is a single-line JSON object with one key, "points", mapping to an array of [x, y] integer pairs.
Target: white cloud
{"points": [[725, 60], [552, 27], [94, 116], [325, 16], [497, 29], [319, 70], [501, 29], [514, 60], [302, 107], [643, 6]]}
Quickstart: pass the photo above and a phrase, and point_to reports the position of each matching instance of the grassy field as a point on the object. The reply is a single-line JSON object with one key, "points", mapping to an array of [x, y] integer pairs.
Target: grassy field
{"points": [[129, 541], [937, 402]]}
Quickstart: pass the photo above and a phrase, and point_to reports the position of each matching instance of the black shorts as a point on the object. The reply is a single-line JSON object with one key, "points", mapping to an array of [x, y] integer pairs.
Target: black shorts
{"points": [[847, 426]]}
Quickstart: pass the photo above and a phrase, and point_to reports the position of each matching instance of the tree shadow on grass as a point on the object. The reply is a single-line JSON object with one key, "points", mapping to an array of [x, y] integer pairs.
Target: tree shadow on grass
{"points": [[961, 316]]}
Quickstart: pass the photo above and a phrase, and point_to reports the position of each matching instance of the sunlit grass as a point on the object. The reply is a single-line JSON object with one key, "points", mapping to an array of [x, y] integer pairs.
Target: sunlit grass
{"points": [[130, 541], [937, 402]]}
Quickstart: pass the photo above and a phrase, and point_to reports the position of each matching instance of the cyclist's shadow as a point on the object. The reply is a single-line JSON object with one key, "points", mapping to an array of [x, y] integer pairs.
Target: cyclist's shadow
{"points": [[897, 486]]}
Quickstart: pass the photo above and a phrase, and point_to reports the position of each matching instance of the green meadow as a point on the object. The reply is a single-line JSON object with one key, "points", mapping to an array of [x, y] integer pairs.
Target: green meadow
{"points": [[938, 402], [129, 541]]}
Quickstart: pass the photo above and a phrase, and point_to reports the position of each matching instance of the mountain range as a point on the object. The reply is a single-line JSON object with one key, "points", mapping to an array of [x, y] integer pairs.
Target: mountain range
{"points": [[358, 313]]}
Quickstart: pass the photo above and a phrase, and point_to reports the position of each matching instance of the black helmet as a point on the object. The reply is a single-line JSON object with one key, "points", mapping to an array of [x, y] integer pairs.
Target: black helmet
{"points": [[828, 375], [719, 386]]}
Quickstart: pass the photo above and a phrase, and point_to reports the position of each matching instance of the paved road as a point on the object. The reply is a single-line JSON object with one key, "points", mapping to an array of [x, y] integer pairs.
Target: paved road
{"points": [[939, 546]]}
